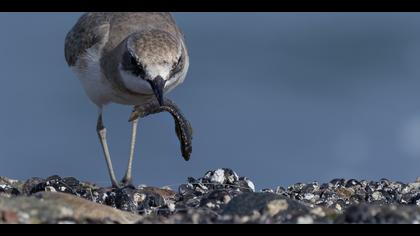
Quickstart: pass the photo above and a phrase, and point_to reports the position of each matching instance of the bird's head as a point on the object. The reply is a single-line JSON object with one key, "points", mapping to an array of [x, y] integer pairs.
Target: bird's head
{"points": [[152, 62]]}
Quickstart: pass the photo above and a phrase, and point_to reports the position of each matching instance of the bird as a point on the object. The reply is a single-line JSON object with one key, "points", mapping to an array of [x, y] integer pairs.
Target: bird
{"points": [[126, 58]]}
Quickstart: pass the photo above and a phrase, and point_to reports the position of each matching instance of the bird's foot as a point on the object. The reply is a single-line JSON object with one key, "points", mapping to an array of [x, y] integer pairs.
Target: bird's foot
{"points": [[127, 183], [123, 185], [144, 110], [116, 186]]}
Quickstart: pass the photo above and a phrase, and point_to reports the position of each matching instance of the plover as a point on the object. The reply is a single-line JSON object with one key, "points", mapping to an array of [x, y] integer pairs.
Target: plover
{"points": [[130, 59]]}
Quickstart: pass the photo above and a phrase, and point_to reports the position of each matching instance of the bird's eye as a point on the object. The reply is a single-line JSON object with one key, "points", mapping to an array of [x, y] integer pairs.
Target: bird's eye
{"points": [[177, 67], [138, 70], [130, 64], [133, 61]]}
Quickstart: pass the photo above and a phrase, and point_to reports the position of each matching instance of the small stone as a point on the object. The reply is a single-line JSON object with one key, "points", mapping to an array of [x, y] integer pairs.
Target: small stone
{"points": [[226, 199], [139, 197], [186, 189], [50, 189], [280, 190], [202, 187], [9, 217], [166, 188], [276, 206], [195, 218], [71, 182], [246, 185], [53, 180], [305, 220], [231, 176], [191, 180], [345, 193], [415, 185], [318, 211], [151, 201], [250, 185], [377, 196], [218, 176], [171, 207], [309, 196], [352, 182], [32, 185], [210, 205], [8, 191], [338, 182], [66, 222], [267, 190]]}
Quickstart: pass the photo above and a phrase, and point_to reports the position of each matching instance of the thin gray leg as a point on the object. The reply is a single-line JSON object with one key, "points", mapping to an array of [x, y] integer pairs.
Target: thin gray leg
{"points": [[102, 137], [127, 180]]}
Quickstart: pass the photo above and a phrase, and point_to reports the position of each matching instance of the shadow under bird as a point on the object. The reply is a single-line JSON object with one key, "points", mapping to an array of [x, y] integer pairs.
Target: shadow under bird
{"points": [[130, 59]]}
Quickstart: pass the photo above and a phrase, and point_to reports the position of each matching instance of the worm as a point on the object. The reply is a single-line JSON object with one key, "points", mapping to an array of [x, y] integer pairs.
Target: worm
{"points": [[183, 128]]}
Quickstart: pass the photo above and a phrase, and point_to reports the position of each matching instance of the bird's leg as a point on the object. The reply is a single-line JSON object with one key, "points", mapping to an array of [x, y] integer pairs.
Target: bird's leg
{"points": [[127, 180], [102, 137]]}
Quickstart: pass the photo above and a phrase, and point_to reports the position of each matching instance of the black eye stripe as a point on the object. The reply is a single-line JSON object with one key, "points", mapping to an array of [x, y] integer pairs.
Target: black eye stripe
{"points": [[130, 64], [177, 67], [138, 71], [178, 62], [133, 60]]}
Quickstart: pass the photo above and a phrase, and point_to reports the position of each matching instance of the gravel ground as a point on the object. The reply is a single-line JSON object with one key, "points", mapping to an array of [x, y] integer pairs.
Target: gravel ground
{"points": [[220, 196]]}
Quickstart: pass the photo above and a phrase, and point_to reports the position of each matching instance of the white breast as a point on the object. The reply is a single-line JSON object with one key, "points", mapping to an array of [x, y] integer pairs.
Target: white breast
{"points": [[134, 83], [100, 90], [88, 70]]}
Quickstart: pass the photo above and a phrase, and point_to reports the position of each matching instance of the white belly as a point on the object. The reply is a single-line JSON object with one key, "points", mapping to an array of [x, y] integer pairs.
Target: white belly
{"points": [[98, 88]]}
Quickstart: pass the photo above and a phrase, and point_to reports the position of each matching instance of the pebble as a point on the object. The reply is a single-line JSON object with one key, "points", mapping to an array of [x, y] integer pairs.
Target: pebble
{"points": [[305, 220], [207, 197]]}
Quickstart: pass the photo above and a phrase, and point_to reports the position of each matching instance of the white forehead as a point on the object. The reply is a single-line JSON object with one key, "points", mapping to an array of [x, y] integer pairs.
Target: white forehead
{"points": [[155, 70]]}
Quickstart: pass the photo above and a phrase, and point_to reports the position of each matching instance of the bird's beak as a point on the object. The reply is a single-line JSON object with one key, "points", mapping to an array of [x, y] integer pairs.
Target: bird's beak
{"points": [[158, 84]]}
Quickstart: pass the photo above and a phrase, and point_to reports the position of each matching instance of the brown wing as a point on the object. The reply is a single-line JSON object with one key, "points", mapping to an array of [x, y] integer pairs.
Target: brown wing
{"points": [[89, 30], [125, 23]]}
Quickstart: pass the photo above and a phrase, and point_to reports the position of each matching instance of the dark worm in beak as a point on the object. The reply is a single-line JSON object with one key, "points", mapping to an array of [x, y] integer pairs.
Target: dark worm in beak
{"points": [[183, 128]]}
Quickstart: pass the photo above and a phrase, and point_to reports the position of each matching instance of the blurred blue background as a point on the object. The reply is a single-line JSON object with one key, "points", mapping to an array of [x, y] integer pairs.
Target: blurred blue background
{"points": [[278, 97]]}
